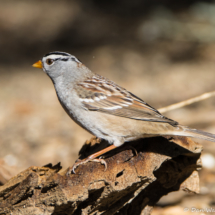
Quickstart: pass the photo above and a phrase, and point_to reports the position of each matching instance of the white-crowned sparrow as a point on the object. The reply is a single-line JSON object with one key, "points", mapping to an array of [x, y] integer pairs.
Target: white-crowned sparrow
{"points": [[105, 109]]}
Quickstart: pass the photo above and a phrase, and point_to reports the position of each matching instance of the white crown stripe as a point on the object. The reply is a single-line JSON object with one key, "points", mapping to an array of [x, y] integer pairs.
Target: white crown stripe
{"points": [[54, 56]]}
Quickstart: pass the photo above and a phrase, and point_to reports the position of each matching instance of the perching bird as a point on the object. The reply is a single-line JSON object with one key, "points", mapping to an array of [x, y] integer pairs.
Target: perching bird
{"points": [[105, 109]]}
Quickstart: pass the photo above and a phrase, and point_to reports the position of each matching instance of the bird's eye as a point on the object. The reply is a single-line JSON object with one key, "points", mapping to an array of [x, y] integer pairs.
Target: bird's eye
{"points": [[49, 61]]}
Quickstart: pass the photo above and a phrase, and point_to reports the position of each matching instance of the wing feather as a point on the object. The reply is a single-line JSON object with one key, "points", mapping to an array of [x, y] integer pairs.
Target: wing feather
{"points": [[107, 97]]}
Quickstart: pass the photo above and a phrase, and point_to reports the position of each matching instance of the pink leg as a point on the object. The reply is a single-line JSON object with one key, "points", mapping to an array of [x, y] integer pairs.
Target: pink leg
{"points": [[92, 158]]}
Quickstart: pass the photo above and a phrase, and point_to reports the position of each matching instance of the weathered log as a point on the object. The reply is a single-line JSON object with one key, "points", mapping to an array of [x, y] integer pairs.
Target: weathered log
{"points": [[137, 176]]}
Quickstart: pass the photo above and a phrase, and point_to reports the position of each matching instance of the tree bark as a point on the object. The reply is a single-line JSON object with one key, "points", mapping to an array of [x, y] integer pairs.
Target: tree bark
{"points": [[138, 174]]}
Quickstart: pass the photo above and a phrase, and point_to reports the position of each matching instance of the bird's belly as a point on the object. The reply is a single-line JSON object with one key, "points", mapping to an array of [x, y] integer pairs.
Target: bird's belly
{"points": [[92, 123], [113, 128]]}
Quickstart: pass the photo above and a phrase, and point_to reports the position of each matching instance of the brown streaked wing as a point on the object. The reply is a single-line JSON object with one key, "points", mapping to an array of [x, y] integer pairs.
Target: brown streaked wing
{"points": [[115, 100]]}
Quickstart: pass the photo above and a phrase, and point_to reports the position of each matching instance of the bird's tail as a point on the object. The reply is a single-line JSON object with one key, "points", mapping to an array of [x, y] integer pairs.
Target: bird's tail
{"points": [[190, 132]]}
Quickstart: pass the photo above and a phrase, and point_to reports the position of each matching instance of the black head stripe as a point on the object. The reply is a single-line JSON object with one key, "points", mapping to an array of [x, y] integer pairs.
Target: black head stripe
{"points": [[57, 53], [63, 59], [63, 56], [75, 59]]}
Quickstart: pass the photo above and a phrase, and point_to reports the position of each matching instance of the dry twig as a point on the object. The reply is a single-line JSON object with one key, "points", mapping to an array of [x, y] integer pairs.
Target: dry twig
{"points": [[187, 102]]}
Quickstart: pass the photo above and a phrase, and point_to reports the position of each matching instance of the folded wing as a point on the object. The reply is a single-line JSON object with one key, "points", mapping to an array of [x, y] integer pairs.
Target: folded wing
{"points": [[99, 94]]}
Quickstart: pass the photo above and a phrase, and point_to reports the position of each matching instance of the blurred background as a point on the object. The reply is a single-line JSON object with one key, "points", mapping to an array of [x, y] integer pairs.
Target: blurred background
{"points": [[161, 50]]}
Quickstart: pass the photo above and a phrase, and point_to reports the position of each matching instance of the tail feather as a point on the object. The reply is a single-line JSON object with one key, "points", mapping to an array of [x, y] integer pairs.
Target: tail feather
{"points": [[190, 132]]}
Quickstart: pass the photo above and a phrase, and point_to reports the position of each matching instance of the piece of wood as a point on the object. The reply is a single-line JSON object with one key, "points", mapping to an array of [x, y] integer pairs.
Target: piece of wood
{"points": [[138, 175]]}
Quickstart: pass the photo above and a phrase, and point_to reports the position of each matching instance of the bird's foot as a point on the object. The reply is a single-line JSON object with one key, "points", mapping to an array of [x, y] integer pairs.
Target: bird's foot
{"points": [[92, 157], [79, 162], [133, 150]]}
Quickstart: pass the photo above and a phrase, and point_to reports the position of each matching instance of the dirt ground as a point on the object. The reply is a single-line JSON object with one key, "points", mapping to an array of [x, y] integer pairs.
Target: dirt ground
{"points": [[162, 69]]}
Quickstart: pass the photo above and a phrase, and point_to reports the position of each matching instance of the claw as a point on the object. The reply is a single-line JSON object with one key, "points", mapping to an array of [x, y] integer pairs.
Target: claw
{"points": [[134, 150], [92, 157], [102, 161]]}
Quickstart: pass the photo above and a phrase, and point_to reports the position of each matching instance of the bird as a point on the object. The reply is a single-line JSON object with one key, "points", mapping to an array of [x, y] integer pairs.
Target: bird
{"points": [[104, 108]]}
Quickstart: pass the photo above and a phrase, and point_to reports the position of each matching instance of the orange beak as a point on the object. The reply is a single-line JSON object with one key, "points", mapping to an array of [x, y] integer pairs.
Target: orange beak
{"points": [[38, 64]]}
